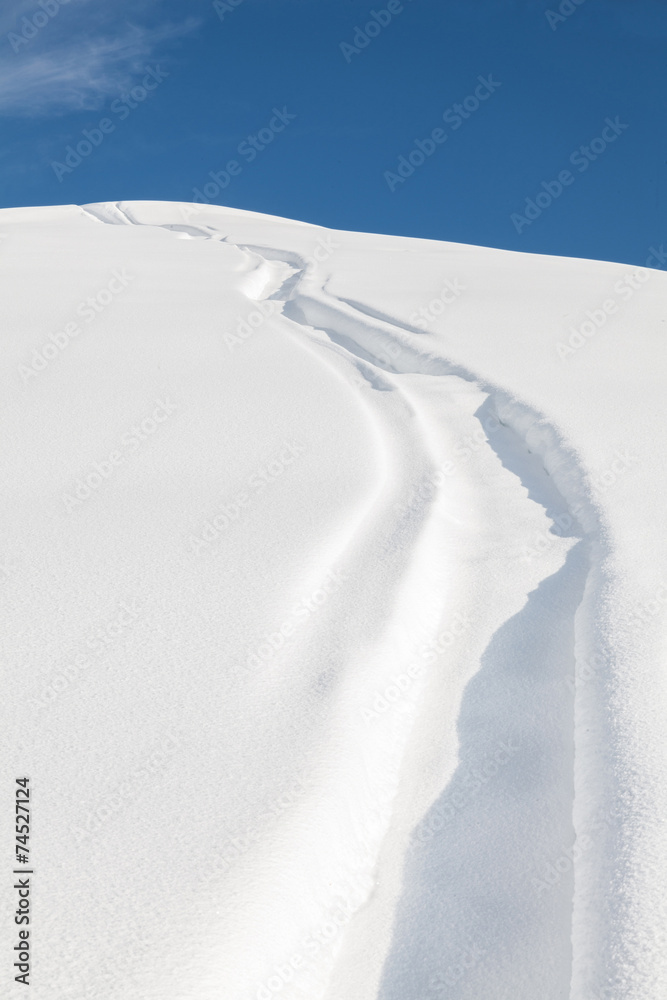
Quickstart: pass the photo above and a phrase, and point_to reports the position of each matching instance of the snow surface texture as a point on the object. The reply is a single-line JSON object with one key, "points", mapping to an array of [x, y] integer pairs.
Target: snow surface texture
{"points": [[335, 595]]}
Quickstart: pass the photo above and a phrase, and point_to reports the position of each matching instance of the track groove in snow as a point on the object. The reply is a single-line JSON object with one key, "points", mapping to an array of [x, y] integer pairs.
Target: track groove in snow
{"points": [[363, 334], [347, 324], [371, 566]]}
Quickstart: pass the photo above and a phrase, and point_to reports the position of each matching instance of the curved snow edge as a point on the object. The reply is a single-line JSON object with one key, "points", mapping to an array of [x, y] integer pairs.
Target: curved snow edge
{"points": [[595, 790]]}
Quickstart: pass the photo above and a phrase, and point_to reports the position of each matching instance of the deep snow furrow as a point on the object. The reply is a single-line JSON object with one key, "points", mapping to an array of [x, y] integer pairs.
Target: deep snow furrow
{"points": [[354, 336], [376, 342], [370, 337]]}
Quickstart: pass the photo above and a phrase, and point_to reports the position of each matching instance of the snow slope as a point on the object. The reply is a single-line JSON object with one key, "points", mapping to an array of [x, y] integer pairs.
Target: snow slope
{"points": [[334, 584]]}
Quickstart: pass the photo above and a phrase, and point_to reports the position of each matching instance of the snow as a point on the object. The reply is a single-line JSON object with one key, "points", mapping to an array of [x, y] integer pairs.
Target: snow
{"points": [[334, 584]]}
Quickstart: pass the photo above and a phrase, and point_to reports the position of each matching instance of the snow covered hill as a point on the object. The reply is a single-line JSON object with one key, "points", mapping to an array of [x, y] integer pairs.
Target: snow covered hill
{"points": [[334, 575]]}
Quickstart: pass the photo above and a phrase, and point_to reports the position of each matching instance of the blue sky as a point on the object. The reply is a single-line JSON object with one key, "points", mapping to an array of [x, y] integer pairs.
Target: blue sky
{"points": [[352, 129]]}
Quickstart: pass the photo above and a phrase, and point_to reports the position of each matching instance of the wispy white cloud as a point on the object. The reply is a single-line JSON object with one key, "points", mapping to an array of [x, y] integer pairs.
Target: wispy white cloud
{"points": [[77, 64]]}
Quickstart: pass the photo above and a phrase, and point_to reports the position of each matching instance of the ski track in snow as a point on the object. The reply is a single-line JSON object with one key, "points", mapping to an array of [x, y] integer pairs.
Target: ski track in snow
{"points": [[359, 336]]}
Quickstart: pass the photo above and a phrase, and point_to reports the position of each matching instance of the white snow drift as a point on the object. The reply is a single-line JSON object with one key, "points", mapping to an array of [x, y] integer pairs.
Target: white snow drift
{"points": [[334, 583]]}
